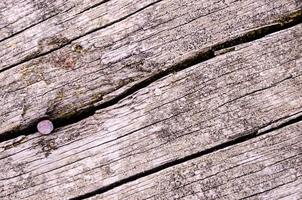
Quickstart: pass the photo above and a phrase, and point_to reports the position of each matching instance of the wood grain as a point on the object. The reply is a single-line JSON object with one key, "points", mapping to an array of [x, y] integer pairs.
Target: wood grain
{"points": [[32, 28], [104, 64], [253, 87], [268, 167], [19, 15]]}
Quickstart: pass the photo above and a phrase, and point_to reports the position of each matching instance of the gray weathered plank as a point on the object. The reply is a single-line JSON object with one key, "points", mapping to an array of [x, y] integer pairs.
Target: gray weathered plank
{"points": [[105, 63], [51, 24], [208, 104], [268, 167], [19, 15]]}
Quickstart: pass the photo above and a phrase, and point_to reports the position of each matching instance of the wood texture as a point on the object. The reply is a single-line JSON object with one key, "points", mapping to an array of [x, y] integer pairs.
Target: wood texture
{"points": [[227, 97], [19, 15], [268, 167], [31, 28], [105, 63]]}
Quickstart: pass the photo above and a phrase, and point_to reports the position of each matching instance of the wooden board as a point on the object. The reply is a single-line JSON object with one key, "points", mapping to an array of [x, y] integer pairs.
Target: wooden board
{"points": [[32, 28], [19, 15], [253, 87], [102, 65], [268, 167]]}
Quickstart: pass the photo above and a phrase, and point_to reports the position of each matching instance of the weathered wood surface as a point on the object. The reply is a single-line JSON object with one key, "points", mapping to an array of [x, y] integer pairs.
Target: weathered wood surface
{"points": [[31, 28], [227, 97], [19, 15], [101, 65], [268, 167]]}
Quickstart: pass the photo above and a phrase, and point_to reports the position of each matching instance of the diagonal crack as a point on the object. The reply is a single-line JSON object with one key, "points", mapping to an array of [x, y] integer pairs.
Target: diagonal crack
{"points": [[255, 91], [35, 24], [205, 54], [252, 134], [26, 28], [94, 6], [26, 59]]}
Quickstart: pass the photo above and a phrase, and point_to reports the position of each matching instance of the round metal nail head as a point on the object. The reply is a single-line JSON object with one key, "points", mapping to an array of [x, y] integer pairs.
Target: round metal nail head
{"points": [[45, 127]]}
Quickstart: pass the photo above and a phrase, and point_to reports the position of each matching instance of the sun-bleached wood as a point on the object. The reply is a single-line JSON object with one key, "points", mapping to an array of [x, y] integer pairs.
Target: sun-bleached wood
{"points": [[268, 167], [30, 28], [105, 63], [234, 94]]}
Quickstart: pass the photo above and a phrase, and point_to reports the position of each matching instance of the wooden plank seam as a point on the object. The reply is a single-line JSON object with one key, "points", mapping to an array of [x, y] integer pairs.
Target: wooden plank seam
{"points": [[65, 43], [273, 126], [291, 20]]}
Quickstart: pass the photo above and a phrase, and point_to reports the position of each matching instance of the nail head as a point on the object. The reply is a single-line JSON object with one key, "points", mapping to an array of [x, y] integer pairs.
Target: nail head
{"points": [[45, 127]]}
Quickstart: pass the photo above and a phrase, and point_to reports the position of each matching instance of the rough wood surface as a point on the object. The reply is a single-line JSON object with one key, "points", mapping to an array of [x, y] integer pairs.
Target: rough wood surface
{"points": [[19, 15], [268, 167], [31, 28], [227, 97], [105, 63]]}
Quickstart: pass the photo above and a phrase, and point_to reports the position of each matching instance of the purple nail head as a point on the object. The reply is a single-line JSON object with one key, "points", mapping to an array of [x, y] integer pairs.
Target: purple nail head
{"points": [[45, 127]]}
